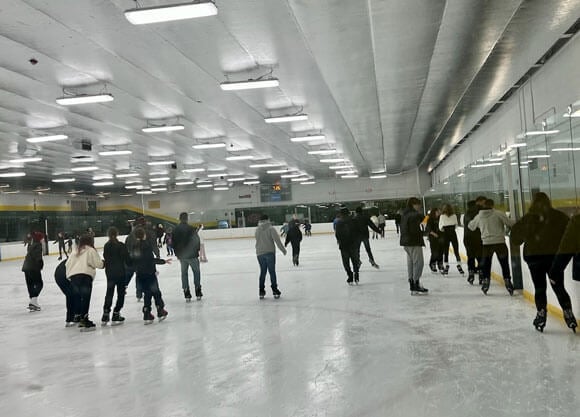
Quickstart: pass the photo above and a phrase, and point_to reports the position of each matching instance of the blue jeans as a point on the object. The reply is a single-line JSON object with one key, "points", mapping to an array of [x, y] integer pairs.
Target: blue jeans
{"points": [[192, 263], [267, 262]]}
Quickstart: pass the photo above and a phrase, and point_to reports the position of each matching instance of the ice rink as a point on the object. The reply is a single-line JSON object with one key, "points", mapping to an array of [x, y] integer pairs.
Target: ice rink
{"points": [[323, 349]]}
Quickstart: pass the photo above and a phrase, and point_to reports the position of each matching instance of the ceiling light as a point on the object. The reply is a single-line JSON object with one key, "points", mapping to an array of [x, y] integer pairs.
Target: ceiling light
{"points": [[378, 176], [308, 183], [84, 99], [134, 187], [159, 179], [518, 145], [103, 183], [217, 175], [193, 170], [152, 174], [541, 132], [346, 172], [341, 166], [307, 138], [539, 156], [115, 153], [166, 128], [63, 180], [491, 164], [157, 14], [280, 171], [565, 149], [24, 160], [349, 176], [291, 175], [239, 157], [155, 163], [50, 138], [5, 186], [286, 118], [272, 165], [495, 159], [125, 195], [11, 192], [40, 189], [144, 192], [135, 181], [204, 185], [461, 174], [251, 182], [74, 191], [300, 179], [184, 183], [12, 174], [86, 168], [237, 179], [102, 177], [332, 160], [159, 189], [128, 175], [250, 84], [221, 188], [210, 145], [323, 152]]}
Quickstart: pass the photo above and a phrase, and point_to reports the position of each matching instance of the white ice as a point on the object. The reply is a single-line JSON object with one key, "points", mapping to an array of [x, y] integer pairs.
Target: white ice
{"points": [[323, 349]]}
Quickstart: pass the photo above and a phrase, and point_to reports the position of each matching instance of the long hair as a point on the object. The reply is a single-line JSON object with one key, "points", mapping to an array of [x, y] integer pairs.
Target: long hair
{"points": [[433, 212], [540, 203], [413, 201], [84, 241], [447, 210], [113, 232]]}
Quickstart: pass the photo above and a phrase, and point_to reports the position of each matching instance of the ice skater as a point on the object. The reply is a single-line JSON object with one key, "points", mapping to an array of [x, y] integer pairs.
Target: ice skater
{"points": [[116, 257], [266, 241], [382, 224], [294, 237], [81, 269], [60, 239], [447, 225], [130, 242], [202, 254], [168, 241], [412, 241], [146, 275], [435, 238], [347, 236], [472, 242], [541, 229], [492, 224], [363, 223], [32, 268], [71, 319], [186, 244]]}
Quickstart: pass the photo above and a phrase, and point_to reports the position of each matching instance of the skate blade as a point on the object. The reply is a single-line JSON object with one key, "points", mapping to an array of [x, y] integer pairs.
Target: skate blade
{"points": [[117, 323], [198, 298], [104, 324], [188, 300], [88, 329], [162, 318], [147, 322], [276, 297]]}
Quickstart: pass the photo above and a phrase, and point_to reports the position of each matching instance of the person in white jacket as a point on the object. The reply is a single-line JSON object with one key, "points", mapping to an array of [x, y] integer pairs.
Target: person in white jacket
{"points": [[81, 269], [492, 224], [447, 225]]}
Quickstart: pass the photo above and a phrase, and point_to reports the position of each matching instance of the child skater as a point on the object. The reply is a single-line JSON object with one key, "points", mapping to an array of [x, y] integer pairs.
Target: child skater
{"points": [[144, 262], [116, 257], [32, 269]]}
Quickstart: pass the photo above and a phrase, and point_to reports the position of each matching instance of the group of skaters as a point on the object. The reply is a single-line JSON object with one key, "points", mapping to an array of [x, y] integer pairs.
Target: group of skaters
{"points": [[551, 239]]}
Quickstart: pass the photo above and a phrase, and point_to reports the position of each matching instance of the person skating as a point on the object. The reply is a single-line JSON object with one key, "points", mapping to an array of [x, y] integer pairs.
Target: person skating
{"points": [[412, 241], [116, 257], [32, 268], [294, 237], [266, 241], [363, 223], [60, 239], [81, 270], [472, 242], [398, 221], [307, 228], [130, 242], [382, 224], [202, 254], [71, 319], [492, 224], [435, 238], [541, 231], [144, 261], [347, 236], [447, 225], [168, 241], [186, 244]]}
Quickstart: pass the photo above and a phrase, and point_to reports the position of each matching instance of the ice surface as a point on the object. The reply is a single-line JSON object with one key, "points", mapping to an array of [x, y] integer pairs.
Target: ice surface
{"points": [[323, 349]]}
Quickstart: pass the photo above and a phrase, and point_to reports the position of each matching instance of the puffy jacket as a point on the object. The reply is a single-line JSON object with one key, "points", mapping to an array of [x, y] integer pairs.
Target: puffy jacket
{"points": [[86, 262], [33, 261], [492, 224], [411, 233], [267, 239], [186, 242], [541, 235]]}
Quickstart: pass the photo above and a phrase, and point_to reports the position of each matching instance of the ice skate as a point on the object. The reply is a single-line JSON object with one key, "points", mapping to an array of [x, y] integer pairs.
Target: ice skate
{"points": [[187, 295], [471, 277], [349, 280], [147, 316], [540, 320], [485, 285], [445, 270], [433, 268], [33, 307], [460, 269], [276, 292], [570, 319], [105, 319], [198, 293], [374, 265], [71, 324], [418, 289], [86, 325], [509, 286], [117, 319], [161, 314], [412, 287], [356, 278], [262, 293]]}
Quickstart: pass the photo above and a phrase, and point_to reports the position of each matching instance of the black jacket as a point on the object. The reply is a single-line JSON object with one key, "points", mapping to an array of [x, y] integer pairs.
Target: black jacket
{"points": [[143, 257], [346, 232], [131, 241], [541, 234], [116, 257], [33, 261], [471, 238], [411, 233], [433, 226], [293, 235], [363, 223], [186, 243]]}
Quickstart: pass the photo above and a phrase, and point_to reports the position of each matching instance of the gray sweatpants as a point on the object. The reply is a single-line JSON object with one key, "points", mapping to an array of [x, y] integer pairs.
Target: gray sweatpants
{"points": [[414, 262]]}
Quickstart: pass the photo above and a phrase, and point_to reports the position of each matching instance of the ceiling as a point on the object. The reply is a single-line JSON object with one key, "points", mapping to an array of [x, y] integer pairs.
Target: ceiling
{"points": [[391, 84]]}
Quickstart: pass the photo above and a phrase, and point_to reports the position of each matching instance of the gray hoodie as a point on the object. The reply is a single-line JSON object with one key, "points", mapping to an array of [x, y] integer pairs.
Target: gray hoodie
{"points": [[266, 237], [492, 224]]}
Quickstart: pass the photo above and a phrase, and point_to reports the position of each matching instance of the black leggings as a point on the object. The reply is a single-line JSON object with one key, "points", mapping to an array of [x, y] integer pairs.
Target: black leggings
{"points": [[348, 255], [449, 236], [112, 283], [367, 244], [501, 250], [540, 267], [150, 286], [436, 255], [82, 286], [295, 249], [33, 283], [66, 288]]}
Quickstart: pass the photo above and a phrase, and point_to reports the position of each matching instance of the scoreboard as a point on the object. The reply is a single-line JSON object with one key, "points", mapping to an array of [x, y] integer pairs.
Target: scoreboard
{"points": [[275, 192]]}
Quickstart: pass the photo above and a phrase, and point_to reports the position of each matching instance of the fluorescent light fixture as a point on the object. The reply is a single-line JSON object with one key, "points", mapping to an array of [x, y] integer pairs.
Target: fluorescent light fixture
{"points": [[144, 192], [523, 166], [250, 84], [518, 145], [539, 156], [491, 164], [332, 160], [204, 185], [349, 176], [162, 179], [287, 118], [24, 160], [495, 159], [280, 171], [125, 195], [237, 179], [12, 174], [239, 157], [221, 188], [565, 149], [164, 172], [307, 138], [63, 180], [167, 128], [128, 175], [269, 165], [193, 170], [155, 163], [159, 189], [134, 187], [170, 12], [115, 153], [341, 166], [221, 174], [135, 181], [461, 174], [209, 145], [251, 182], [74, 191], [5, 186], [346, 172], [299, 179], [541, 132], [323, 152], [86, 168], [11, 192], [378, 176], [308, 183], [102, 177], [103, 183], [184, 183], [291, 175], [50, 138], [445, 182], [84, 99]]}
